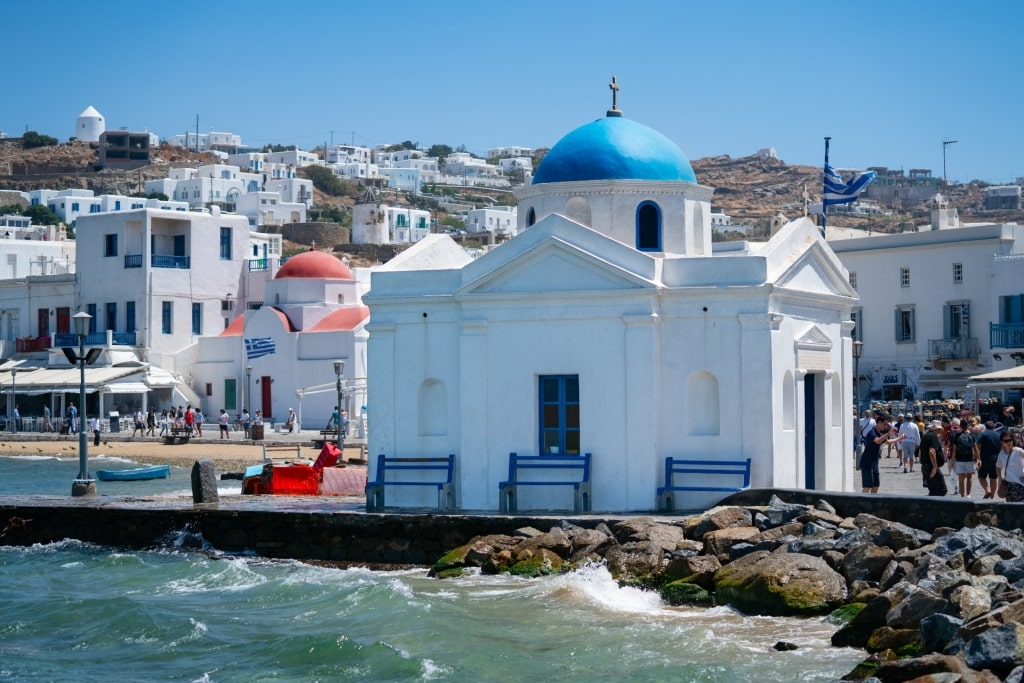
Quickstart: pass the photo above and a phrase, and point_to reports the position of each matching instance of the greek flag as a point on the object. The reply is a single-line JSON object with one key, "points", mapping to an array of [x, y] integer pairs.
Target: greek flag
{"points": [[259, 347], [838, 192]]}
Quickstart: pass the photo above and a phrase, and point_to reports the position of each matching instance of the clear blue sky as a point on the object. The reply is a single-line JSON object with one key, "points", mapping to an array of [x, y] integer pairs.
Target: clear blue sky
{"points": [[888, 81]]}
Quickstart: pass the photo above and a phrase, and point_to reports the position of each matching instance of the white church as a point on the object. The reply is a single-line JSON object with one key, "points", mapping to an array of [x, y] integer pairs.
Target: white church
{"points": [[611, 325]]}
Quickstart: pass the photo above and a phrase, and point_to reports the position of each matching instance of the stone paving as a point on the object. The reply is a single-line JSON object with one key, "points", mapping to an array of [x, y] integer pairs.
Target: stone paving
{"points": [[894, 481]]}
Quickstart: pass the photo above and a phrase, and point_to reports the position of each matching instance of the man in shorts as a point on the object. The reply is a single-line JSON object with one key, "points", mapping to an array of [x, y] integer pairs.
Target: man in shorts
{"points": [[965, 459], [988, 453]]}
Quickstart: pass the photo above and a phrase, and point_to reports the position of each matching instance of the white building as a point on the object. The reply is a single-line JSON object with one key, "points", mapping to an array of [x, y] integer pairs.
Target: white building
{"points": [[292, 190], [209, 185], [609, 326], [936, 306], [293, 157], [465, 165], [161, 279], [72, 204], [153, 282], [312, 316], [90, 125], [265, 209], [500, 220], [205, 142], [27, 249], [503, 152], [347, 154]]}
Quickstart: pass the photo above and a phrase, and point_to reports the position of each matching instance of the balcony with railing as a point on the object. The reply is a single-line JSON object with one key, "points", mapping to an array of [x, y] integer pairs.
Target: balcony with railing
{"points": [[168, 261], [954, 348], [30, 344], [258, 264], [1006, 335], [97, 339], [133, 260]]}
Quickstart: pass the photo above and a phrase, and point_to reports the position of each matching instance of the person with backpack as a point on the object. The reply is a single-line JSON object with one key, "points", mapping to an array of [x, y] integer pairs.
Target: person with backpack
{"points": [[932, 460], [988, 453], [965, 454]]}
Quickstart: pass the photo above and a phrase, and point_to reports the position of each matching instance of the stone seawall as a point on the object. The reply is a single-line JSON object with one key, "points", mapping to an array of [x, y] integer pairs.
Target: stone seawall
{"points": [[322, 529]]}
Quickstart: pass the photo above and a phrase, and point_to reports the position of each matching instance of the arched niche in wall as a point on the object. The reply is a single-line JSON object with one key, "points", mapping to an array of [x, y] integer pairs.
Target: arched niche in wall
{"points": [[788, 401], [432, 408], [578, 209], [703, 404]]}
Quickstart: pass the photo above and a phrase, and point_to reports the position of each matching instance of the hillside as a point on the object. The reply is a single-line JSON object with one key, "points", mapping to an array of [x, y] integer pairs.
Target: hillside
{"points": [[750, 189]]}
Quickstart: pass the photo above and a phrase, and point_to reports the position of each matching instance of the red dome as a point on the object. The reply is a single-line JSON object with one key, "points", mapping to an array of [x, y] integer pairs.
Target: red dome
{"points": [[316, 264]]}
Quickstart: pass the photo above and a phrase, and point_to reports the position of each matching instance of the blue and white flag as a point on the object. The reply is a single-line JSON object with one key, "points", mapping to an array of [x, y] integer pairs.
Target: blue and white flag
{"points": [[259, 347], [839, 192]]}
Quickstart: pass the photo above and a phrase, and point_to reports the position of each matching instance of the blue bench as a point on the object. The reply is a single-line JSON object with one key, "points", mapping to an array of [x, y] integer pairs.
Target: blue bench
{"points": [[695, 470], [564, 464], [409, 466]]}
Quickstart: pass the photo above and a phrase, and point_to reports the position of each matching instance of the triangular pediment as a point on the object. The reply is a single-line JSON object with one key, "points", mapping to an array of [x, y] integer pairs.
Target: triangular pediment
{"points": [[814, 340], [554, 265], [815, 272]]}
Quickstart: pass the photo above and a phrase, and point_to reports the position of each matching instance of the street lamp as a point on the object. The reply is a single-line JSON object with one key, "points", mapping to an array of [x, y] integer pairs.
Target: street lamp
{"points": [[945, 143], [84, 485], [14, 397], [858, 349], [248, 388], [339, 368]]}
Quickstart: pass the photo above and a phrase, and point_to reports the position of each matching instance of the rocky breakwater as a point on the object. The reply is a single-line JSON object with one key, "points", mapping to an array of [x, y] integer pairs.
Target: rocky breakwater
{"points": [[945, 606]]}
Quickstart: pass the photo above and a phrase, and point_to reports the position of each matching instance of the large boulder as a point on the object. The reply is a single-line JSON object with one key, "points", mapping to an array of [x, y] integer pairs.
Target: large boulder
{"points": [[716, 519], [781, 584], [1000, 649], [698, 569], [866, 562], [636, 561], [717, 543], [892, 534], [666, 536]]}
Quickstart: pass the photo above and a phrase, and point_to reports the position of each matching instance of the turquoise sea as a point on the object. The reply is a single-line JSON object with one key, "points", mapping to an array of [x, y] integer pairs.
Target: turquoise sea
{"points": [[183, 611]]}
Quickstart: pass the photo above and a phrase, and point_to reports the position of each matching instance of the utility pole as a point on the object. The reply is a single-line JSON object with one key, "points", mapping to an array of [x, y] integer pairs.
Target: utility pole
{"points": [[945, 143]]}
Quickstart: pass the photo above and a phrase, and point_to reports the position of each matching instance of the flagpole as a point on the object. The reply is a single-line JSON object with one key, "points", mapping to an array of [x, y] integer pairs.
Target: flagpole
{"points": [[824, 189]]}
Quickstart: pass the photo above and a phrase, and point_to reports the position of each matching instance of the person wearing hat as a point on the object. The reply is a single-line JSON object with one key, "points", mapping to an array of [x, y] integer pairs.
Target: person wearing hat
{"points": [[909, 439], [869, 459], [932, 459]]}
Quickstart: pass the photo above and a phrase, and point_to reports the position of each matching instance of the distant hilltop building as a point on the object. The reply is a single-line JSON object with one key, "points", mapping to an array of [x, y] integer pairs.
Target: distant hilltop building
{"points": [[90, 125], [208, 142], [892, 186], [767, 153]]}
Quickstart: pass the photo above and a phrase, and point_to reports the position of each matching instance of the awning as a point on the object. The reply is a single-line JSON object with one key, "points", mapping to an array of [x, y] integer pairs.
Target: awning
{"points": [[1010, 378], [126, 388], [43, 380]]}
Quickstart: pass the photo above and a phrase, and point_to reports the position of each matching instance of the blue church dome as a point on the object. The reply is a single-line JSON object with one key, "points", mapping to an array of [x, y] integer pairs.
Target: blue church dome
{"points": [[614, 148]]}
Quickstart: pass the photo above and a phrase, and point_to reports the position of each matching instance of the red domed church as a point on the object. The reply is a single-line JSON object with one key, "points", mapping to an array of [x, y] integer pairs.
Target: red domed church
{"points": [[281, 354]]}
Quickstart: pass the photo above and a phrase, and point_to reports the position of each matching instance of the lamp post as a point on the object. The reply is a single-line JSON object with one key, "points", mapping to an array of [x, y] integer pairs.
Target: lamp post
{"points": [[945, 144], [248, 388], [858, 349], [14, 397], [339, 368], [84, 485]]}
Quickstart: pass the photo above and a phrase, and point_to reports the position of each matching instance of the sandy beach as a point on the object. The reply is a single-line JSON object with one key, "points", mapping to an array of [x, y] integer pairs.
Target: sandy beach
{"points": [[227, 456]]}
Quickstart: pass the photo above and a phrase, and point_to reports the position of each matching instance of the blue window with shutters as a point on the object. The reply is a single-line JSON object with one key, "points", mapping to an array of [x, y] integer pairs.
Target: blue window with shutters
{"points": [[225, 244], [559, 414]]}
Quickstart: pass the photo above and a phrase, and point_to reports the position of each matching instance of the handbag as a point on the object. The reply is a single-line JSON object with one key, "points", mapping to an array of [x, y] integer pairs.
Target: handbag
{"points": [[1001, 488]]}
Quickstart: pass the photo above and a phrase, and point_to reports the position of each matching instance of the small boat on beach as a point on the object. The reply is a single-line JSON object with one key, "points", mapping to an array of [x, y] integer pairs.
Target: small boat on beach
{"points": [[135, 474]]}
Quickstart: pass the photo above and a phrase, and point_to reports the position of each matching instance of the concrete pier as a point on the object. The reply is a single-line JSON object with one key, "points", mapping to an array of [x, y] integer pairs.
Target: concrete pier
{"points": [[319, 528]]}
